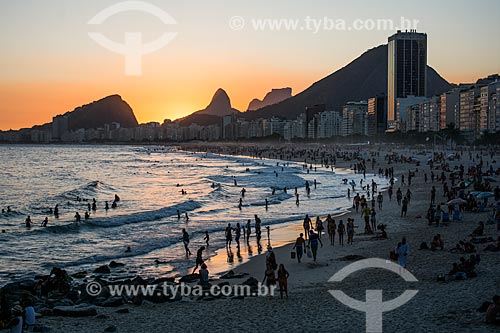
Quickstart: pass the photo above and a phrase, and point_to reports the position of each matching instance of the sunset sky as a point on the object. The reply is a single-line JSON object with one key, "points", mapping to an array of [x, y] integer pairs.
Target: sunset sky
{"points": [[49, 65]]}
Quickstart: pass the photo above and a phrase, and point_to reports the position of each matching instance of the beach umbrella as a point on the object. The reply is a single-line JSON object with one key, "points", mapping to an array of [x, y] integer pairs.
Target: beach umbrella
{"points": [[490, 179], [483, 195], [456, 201]]}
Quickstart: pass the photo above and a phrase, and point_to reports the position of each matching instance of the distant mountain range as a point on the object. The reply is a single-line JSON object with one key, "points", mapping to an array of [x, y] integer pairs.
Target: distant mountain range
{"points": [[273, 97], [364, 77]]}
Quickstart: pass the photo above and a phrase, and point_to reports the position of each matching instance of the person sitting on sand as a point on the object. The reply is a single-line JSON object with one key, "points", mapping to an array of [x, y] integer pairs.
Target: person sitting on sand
{"points": [[283, 280], [493, 311], [16, 323], [437, 242], [479, 231], [204, 280]]}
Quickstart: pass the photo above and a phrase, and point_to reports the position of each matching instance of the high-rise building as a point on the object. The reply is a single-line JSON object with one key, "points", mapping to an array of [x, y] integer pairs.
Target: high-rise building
{"points": [[377, 115], [407, 70]]}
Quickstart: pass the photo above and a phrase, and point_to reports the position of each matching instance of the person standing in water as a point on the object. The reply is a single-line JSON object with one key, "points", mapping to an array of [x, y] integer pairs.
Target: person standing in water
{"points": [[229, 235], [45, 221], [237, 234], [185, 241], [56, 211], [248, 230], [78, 218], [206, 238]]}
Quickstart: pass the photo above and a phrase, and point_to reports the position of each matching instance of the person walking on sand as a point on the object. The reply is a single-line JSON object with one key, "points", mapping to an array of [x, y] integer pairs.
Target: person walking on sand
{"points": [[341, 232], [365, 213], [199, 258], [307, 225], [269, 276], [185, 241], [350, 231], [299, 246], [433, 195], [319, 226], [283, 280], [403, 252], [313, 243], [331, 227], [380, 200], [399, 196], [373, 220], [404, 207]]}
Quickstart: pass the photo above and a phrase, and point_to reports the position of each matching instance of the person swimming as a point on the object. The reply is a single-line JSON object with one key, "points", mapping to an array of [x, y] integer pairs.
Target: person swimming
{"points": [[87, 215], [28, 222], [128, 250]]}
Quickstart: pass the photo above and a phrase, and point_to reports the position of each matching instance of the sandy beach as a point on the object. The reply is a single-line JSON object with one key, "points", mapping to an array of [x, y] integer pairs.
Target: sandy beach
{"points": [[438, 306]]}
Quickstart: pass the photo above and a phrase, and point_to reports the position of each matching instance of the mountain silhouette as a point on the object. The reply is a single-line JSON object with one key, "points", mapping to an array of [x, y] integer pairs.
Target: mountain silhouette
{"points": [[108, 110], [273, 97], [364, 77]]}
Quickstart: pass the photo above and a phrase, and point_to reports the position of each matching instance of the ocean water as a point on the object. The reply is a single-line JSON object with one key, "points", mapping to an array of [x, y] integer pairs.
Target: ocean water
{"points": [[149, 181]]}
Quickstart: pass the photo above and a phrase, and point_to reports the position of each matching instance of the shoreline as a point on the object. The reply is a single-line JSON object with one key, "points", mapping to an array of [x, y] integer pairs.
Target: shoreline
{"points": [[452, 304]]}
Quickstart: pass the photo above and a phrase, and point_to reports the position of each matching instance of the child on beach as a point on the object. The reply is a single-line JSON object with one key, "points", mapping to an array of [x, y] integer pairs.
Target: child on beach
{"points": [[283, 280]]}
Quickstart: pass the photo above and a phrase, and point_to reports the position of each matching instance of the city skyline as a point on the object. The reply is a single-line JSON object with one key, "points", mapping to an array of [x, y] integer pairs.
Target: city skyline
{"points": [[57, 71]]}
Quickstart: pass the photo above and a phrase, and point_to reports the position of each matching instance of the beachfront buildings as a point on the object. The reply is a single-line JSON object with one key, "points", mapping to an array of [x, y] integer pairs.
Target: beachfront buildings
{"points": [[355, 119], [407, 71]]}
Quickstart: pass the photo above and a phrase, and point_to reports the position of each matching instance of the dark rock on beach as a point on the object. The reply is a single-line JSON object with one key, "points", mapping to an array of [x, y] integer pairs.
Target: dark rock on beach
{"points": [[102, 270], [190, 278], [82, 310]]}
